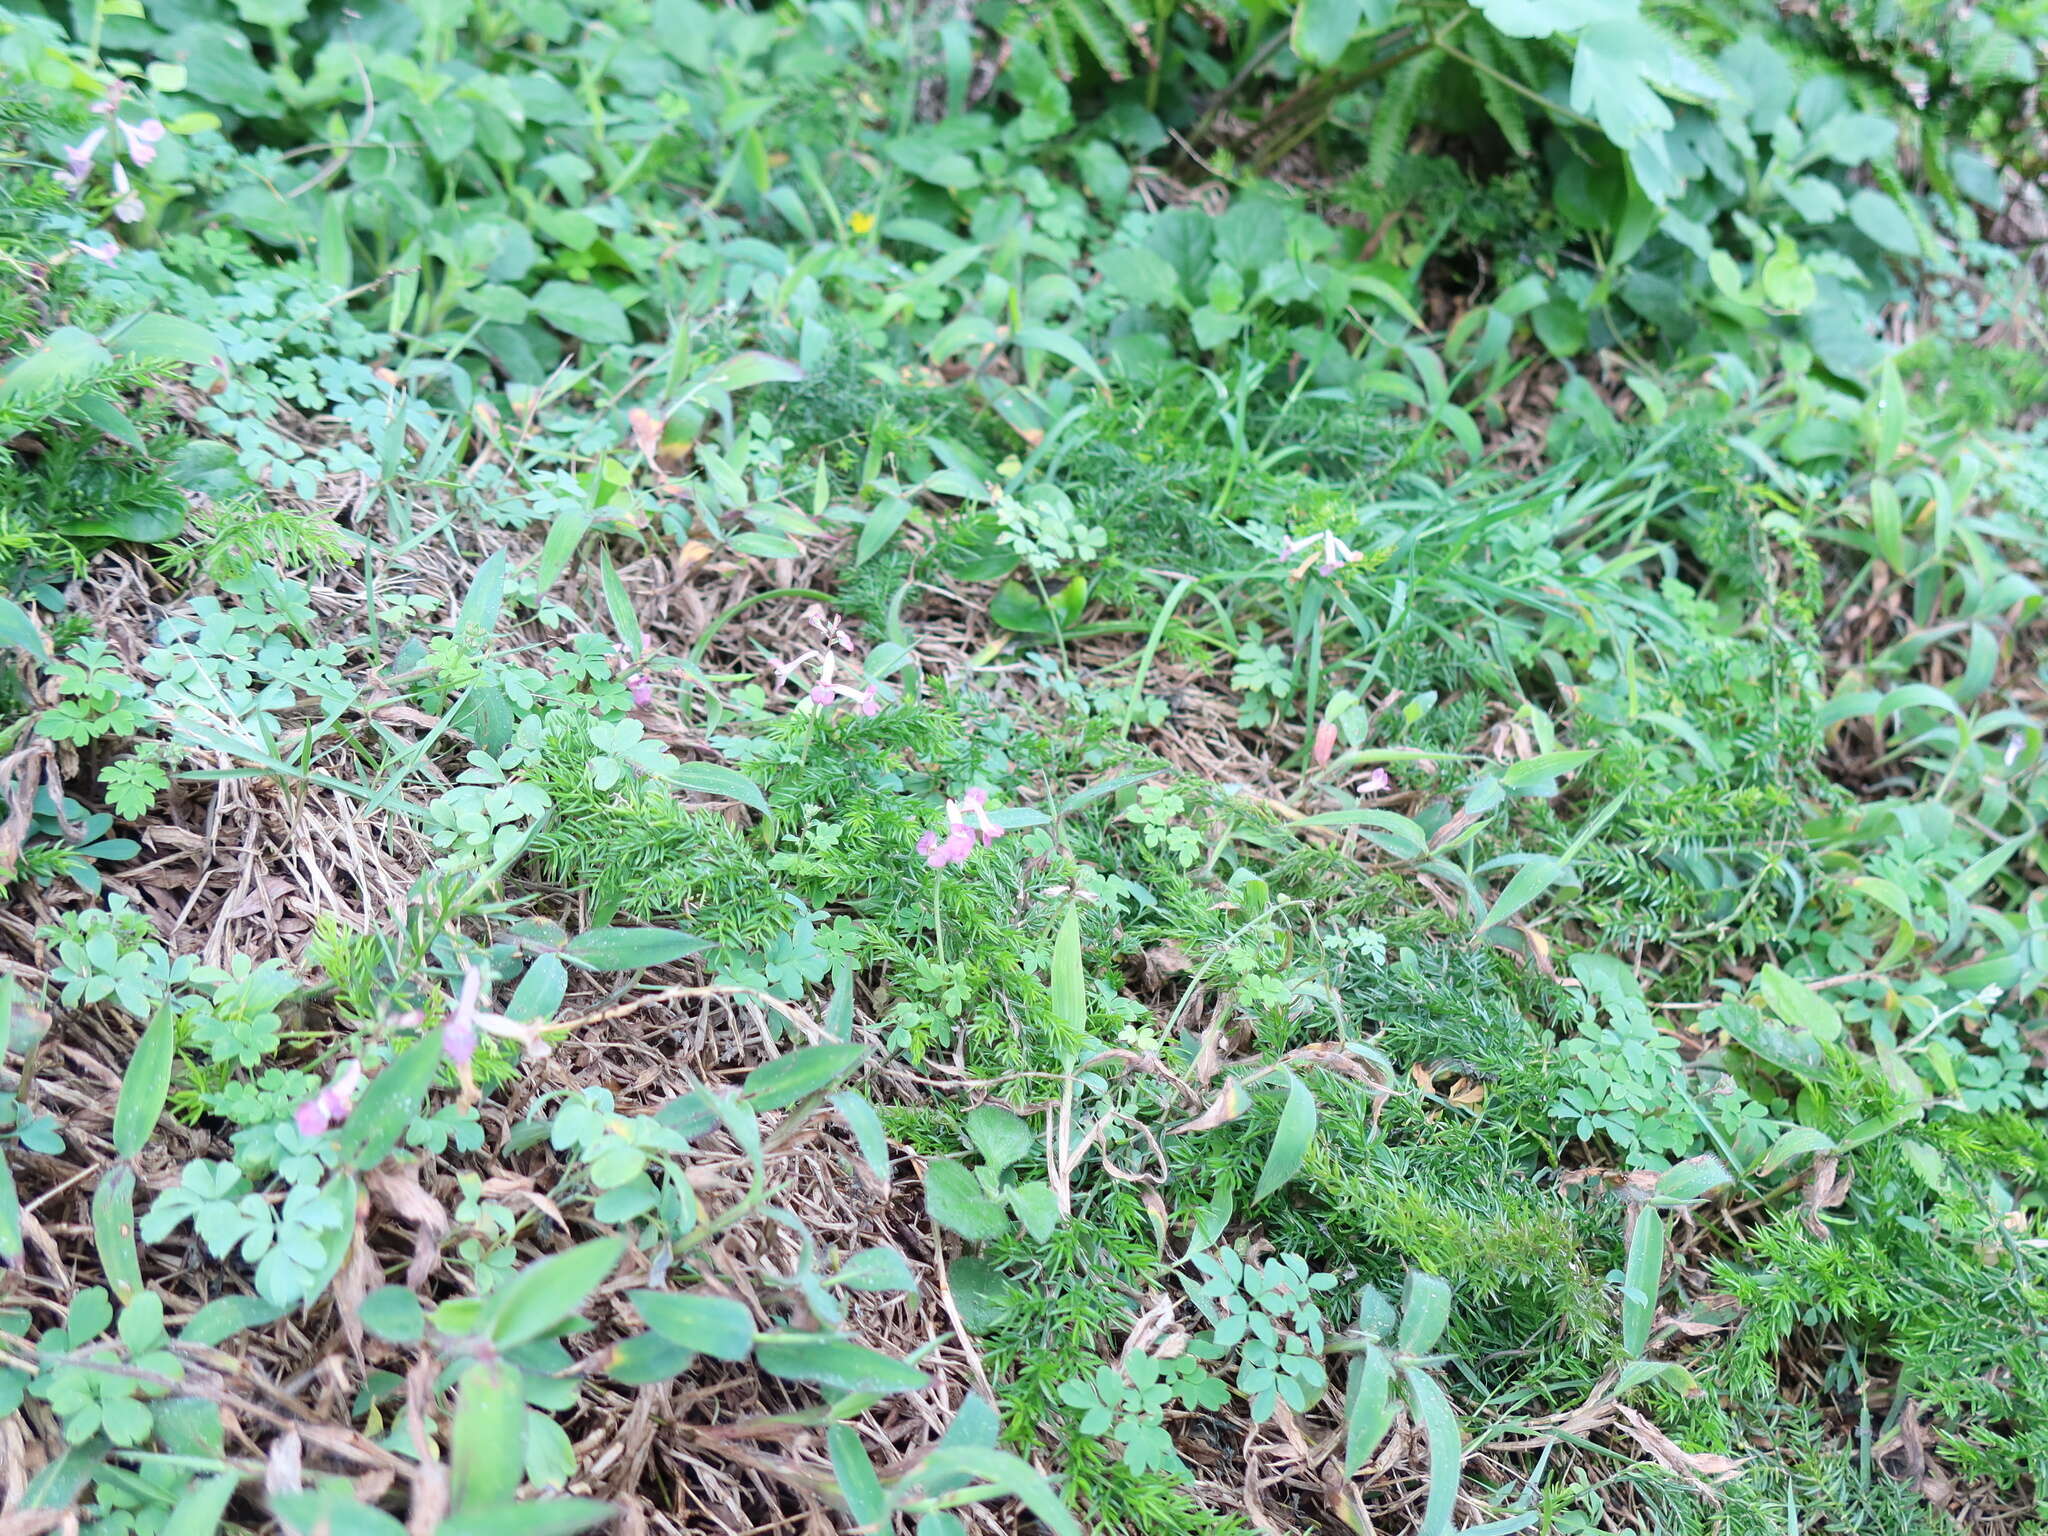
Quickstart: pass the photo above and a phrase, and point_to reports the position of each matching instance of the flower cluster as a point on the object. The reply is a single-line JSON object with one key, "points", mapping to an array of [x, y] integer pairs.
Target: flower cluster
{"points": [[330, 1106], [825, 691], [1325, 551], [967, 828], [140, 139]]}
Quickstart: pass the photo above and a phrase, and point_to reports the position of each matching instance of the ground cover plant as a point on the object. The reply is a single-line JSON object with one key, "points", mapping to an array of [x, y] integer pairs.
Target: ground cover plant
{"points": [[1095, 766]]}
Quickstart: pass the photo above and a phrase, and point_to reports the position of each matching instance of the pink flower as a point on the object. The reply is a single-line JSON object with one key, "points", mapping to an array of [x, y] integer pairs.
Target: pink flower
{"points": [[822, 695], [1326, 743], [105, 251], [975, 803], [78, 159], [953, 848], [967, 828], [330, 1106], [1375, 783], [458, 1039], [142, 139], [866, 703], [109, 104], [129, 208], [641, 687]]}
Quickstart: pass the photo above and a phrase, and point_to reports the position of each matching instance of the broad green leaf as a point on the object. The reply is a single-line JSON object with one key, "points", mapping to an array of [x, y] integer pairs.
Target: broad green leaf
{"points": [[1291, 1138], [1798, 1142], [1037, 1208], [529, 1517], [161, 338], [144, 1087], [745, 370], [1368, 1407], [392, 1313], [1798, 1005], [225, 1316], [827, 1361], [1001, 1136], [629, 949], [1529, 882], [10, 1216], [1446, 1450], [858, 1484], [487, 1444], [19, 630], [200, 1507], [642, 1359], [1016, 607], [1425, 1310], [876, 1269], [113, 1225], [1642, 1278], [619, 605], [548, 1292], [956, 1201], [726, 783], [1693, 1179], [708, 1325], [584, 311], [997, 1474], [868, 1134], [779, 1083]]}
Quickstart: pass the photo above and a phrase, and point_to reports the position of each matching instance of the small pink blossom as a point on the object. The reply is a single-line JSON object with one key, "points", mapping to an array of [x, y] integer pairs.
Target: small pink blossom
{"points": [[142, 138], [1325, 551], [866, 703], [1326, 743], [967, 827], [458, 1039], [105, 250], [641, 687], [78, 159], [1375, 783], [953, 848], [109, 104], [330, 1106], [129, 209], [822, 694]]}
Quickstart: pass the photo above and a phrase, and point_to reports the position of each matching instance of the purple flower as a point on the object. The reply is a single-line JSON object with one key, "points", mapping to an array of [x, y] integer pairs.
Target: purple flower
{"points": [[129, 208], [967, 828], [953, 848], [822, 694], [641, 687], [78, 159], [458, 1039], [867, 702], [330, 1106], [142, 139], [109, 104]]}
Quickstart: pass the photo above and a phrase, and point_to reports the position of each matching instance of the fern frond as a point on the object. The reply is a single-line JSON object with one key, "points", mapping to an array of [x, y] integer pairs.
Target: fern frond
{"points": [[1058, 43], [1502, 104], [1137, 26], [1394, 119], [1102, 32]]}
